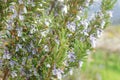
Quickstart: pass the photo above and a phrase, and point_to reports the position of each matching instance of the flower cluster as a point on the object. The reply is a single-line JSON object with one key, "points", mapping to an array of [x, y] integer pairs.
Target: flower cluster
{"points": [[57, 72]]}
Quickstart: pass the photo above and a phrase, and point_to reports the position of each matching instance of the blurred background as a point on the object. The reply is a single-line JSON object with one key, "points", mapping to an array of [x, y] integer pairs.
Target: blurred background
{"points": [[104, 62]]}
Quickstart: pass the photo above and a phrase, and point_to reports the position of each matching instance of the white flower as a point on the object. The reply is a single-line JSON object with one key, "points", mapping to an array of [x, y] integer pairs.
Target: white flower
{"points": [[19, 32], [48, 66], [46, 48], [85, 32], [78, 17], [64, 9], [25, 9], [71, 26], [21, 17], [110, 13], [93, 41], [88, 52], [69, 35], [41, 4], [71, 71], [33, 30], [102, 24], [44, 33], [47, 22], [61, 0], [13, 74], [6, 55], [80, 63]]}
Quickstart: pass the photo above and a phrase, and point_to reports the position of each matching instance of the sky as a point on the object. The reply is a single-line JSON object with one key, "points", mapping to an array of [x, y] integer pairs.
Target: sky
{"points": [[116, 14]]}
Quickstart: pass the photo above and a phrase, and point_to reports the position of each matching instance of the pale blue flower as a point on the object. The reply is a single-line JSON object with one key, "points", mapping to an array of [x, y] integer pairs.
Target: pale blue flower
{"points": [[6, 55], [9, 24], [71, 56], [99, 32], [71, 26], [58, 73], [84, 23], [12, 63]]}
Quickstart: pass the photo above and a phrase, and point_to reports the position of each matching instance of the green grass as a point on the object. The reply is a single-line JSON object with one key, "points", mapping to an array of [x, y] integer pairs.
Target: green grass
{"points": [[104, 66], [110, 74]]}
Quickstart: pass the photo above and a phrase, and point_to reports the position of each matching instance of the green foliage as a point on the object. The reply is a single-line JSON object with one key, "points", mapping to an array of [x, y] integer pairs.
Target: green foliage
{"points": [[104, 65]]}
